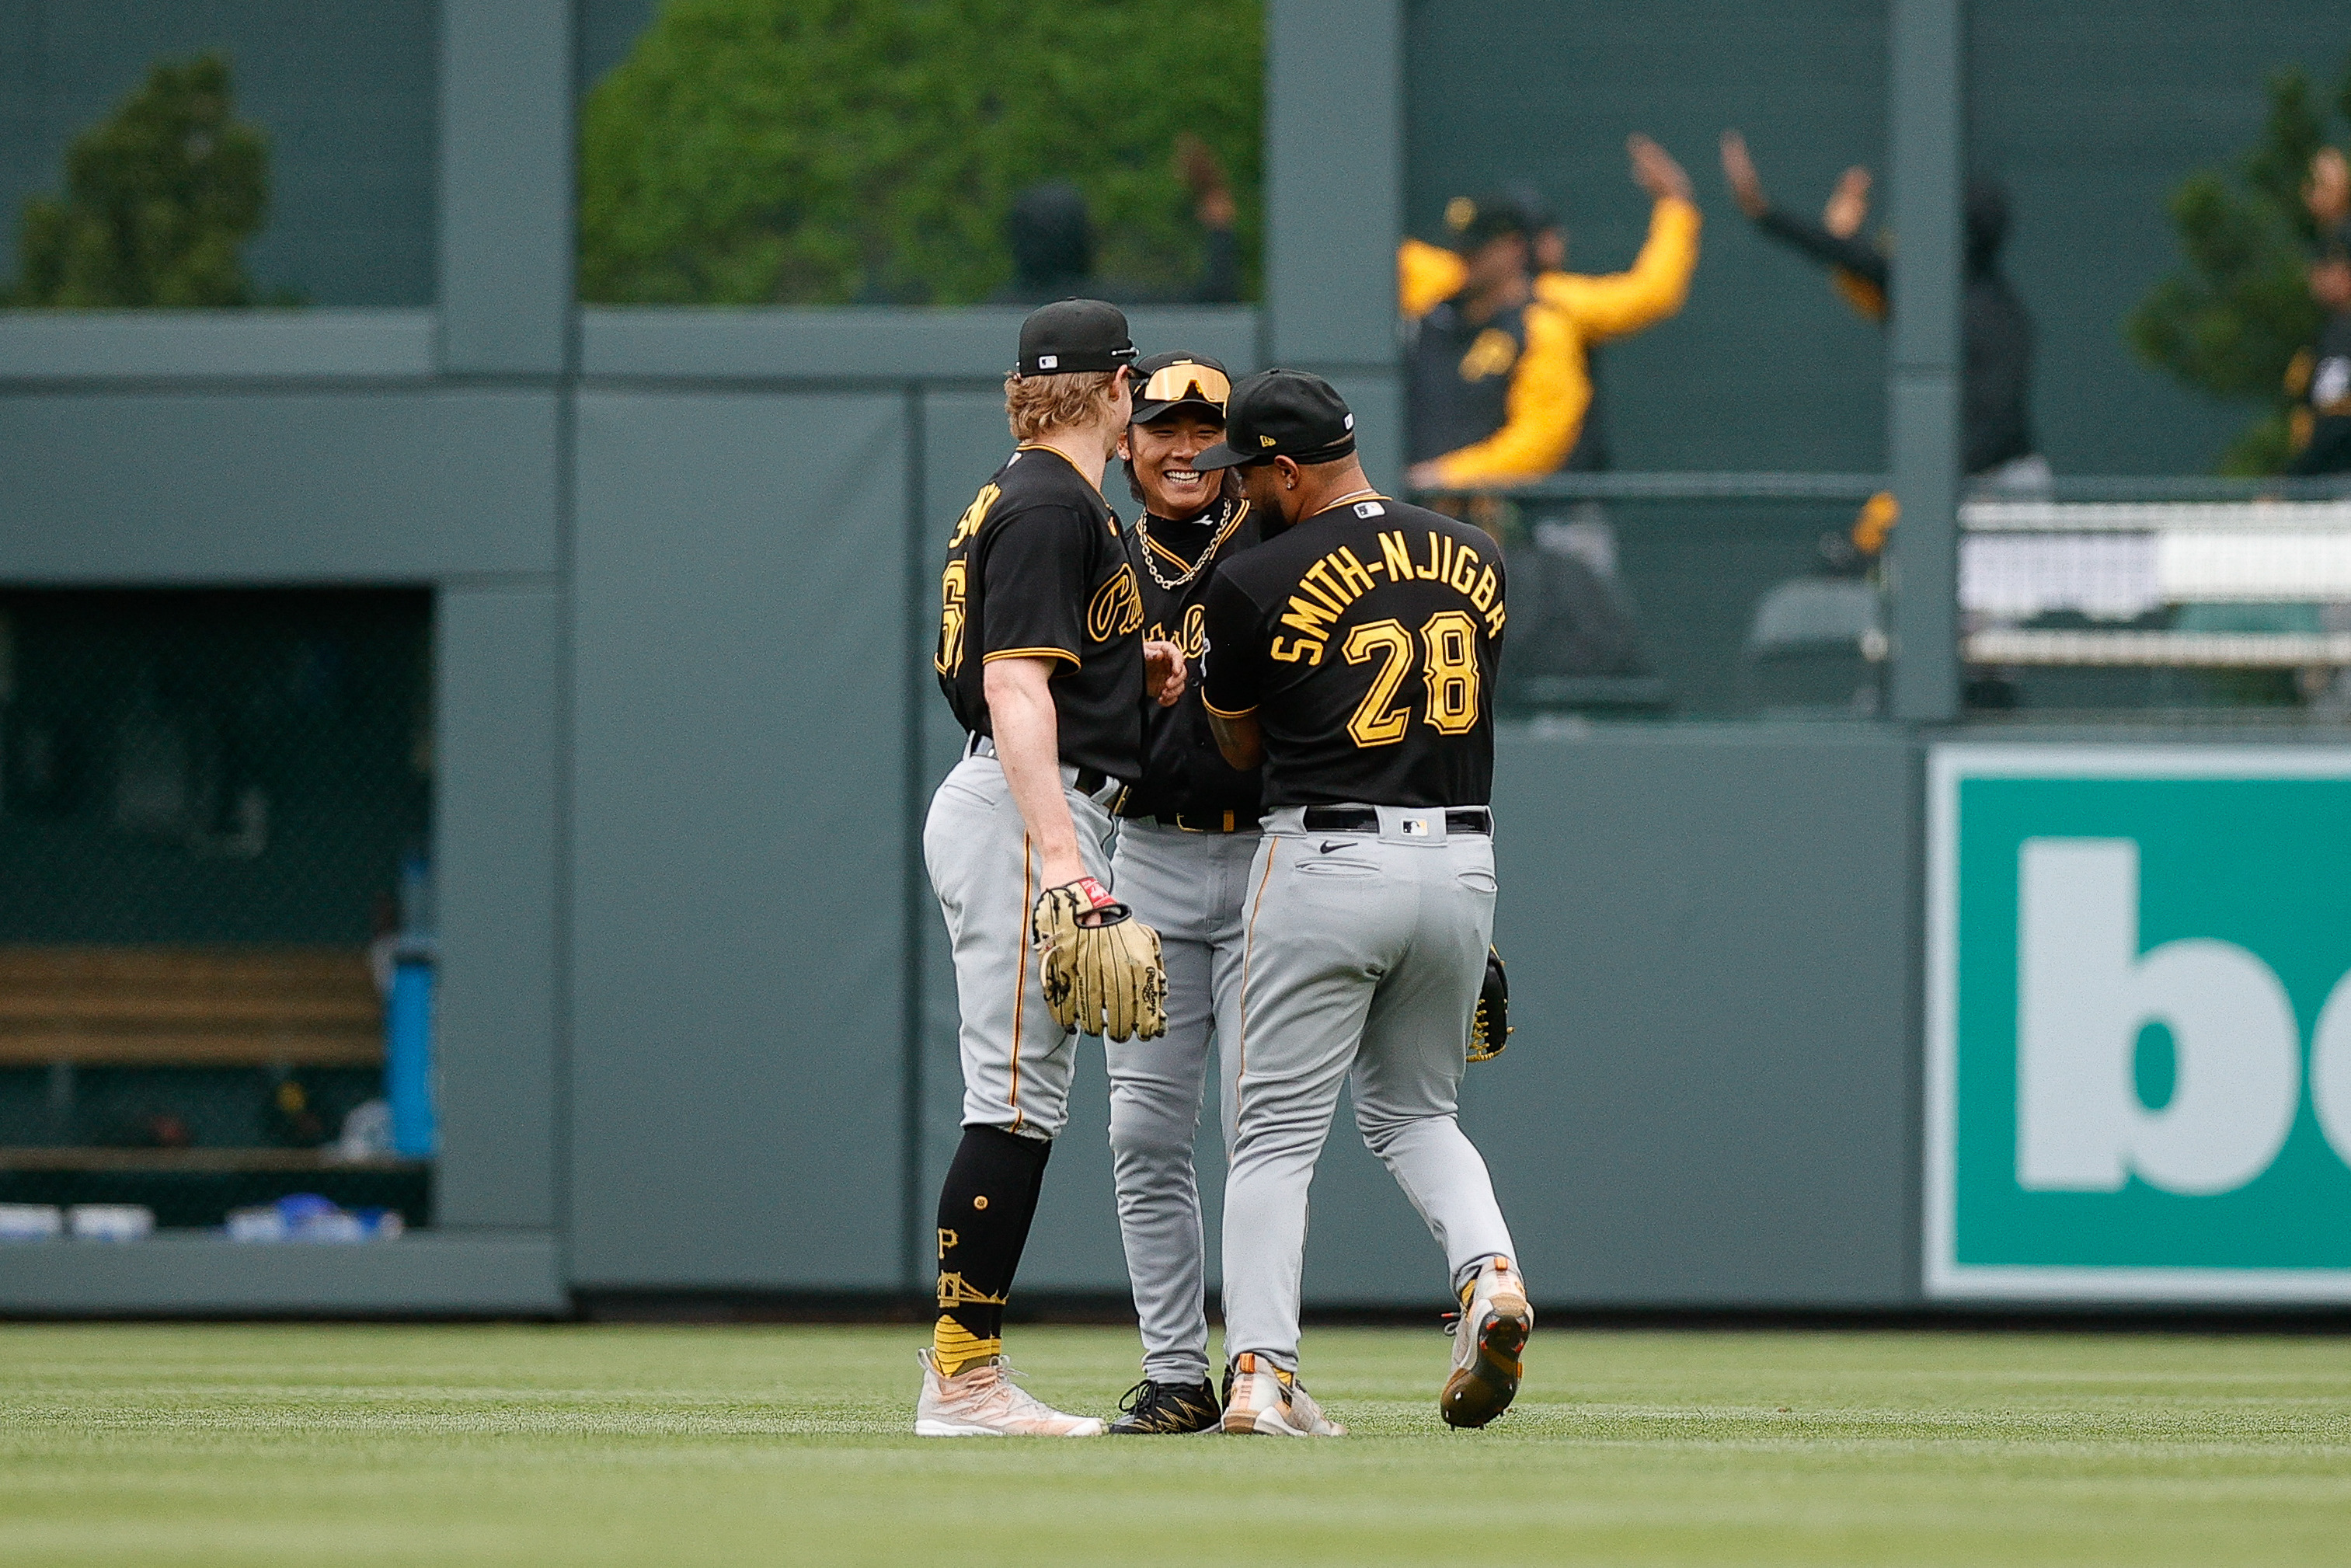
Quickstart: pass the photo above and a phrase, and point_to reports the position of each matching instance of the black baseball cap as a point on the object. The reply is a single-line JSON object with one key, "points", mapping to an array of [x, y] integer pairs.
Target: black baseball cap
{"points": [[1164, 382], [1283, 413], [1475, 220], [1071, 336]]}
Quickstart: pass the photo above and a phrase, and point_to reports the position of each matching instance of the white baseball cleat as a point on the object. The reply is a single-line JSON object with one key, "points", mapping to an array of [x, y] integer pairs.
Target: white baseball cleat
{"points": [[1265, 1401], [983, 1401], [1487, 1339]]}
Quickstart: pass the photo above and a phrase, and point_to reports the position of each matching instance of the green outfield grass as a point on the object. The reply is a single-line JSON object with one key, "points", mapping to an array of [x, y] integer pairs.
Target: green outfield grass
{"points": [[258, 1445]]}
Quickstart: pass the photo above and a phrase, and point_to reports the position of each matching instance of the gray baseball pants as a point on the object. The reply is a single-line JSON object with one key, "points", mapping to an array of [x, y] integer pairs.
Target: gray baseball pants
{"points": [[1362, 954], [1190, 888], [1016, 1061]]}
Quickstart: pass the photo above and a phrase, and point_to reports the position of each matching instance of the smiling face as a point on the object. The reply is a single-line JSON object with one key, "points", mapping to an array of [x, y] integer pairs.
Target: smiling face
{"points": [[1162, 453]]}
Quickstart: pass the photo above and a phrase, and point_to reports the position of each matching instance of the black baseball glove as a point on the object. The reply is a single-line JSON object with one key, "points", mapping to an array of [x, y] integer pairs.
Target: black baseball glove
{"points": [[1490, 1026]]}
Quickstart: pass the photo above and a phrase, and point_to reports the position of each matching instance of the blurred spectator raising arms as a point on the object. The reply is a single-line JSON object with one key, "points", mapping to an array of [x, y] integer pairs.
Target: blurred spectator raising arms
{"points": [[1499, 372], [1995, 420], [2319, 380]]}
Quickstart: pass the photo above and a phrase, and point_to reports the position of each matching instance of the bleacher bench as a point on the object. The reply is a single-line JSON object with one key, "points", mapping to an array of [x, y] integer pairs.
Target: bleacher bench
{"points": [[189, 1007]]}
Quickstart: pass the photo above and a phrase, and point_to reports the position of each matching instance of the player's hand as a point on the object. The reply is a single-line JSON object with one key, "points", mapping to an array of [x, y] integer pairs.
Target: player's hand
{"points": [[1739, 170], [2327, 191], [1100, 968], [1204, 176], [1655, 170], [1162, 672], [1848, 206]]}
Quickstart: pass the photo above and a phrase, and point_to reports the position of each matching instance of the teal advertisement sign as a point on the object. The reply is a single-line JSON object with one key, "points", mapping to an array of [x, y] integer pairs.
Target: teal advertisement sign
{"points": [[2139, 1077]]}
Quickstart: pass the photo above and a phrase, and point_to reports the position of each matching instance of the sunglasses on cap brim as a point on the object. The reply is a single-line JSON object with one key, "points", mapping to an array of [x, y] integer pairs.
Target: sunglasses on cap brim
{"points": [[1185, 381]]}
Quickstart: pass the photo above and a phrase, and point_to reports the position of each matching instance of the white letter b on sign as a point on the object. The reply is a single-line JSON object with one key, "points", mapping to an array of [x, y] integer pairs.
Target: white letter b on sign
{"points": [[2085, 991]]}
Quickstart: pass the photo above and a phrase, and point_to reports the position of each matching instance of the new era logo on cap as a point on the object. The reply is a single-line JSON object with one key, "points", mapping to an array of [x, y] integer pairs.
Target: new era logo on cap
{"points": [[1266, 441]]}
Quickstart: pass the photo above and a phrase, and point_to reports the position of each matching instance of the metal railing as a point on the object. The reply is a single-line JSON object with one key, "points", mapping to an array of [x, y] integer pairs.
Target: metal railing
{"points": [[1762, 593]]}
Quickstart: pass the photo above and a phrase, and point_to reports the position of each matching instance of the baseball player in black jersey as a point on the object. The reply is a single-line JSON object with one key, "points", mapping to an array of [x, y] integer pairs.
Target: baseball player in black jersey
{"points": [[1041, 654], [1352, 654], [1188, 830]]}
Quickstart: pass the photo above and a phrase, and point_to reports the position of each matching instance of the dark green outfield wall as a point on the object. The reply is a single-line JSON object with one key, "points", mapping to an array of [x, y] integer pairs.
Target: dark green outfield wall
{"points": [[2090, 111]]}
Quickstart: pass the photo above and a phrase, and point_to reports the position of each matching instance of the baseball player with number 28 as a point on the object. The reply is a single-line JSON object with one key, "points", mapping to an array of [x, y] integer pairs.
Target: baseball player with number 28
{"points": [[1352, 656]]}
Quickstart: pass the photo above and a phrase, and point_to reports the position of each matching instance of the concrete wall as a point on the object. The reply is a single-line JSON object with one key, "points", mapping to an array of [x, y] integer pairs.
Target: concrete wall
{"points": [[1712, 934], [739, 812]]}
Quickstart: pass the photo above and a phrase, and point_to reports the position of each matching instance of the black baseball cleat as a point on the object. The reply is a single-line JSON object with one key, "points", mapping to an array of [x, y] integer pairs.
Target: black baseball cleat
{"points": [[1154, 1410]]}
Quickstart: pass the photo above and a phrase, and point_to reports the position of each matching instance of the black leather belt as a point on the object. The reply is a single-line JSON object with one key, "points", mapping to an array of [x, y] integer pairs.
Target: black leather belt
{"points": [[1362, 819], [1194, 822]]}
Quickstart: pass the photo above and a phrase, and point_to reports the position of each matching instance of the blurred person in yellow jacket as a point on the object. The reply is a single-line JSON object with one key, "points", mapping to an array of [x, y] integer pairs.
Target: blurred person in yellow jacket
{"points": [[1499, 375]]}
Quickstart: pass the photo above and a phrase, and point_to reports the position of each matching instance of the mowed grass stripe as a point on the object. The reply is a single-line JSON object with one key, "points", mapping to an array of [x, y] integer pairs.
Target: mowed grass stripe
{"points": [[584, 1445]]}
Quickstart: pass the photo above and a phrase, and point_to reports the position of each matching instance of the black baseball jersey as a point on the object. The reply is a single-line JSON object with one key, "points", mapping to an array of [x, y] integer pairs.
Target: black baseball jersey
{"points": [[1365, 642], [1184, 774], [1036, 569]]}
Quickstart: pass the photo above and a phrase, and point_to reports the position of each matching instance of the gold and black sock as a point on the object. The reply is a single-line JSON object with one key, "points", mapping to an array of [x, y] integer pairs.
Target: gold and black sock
{"points": [[985, 1209]]}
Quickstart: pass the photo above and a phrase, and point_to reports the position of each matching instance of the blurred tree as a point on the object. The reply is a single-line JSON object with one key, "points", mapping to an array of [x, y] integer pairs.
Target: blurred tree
{"points": [[160, 197], [2230, 321], [754, 152]]}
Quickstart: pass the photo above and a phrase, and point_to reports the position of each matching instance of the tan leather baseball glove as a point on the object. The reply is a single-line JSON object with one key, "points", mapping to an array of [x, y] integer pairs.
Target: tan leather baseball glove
{"points": [[1102, 967]]}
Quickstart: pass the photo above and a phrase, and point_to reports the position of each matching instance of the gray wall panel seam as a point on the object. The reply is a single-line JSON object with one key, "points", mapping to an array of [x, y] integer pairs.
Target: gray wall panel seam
{"points": [[1915, 1029], [915, 882], [1925, 83]]}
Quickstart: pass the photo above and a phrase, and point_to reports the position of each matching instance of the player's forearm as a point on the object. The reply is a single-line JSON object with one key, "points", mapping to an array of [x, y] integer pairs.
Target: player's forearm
{"points": [[1540, 433], [1238, 739], [1655, 286], [1862, 259], [1027, 748]]}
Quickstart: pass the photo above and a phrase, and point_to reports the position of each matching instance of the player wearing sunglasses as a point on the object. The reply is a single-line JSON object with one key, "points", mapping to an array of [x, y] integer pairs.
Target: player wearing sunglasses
{"points": [[1188, 830]]}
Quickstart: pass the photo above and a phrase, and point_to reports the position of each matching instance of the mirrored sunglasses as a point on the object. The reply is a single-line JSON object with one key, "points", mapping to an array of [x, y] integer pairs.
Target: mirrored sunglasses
{"points": [[1183, 380]]}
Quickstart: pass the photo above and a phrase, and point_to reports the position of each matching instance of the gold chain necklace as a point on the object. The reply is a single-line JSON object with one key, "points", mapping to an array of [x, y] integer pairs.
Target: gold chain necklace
{"points": [[1143, 526]]}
